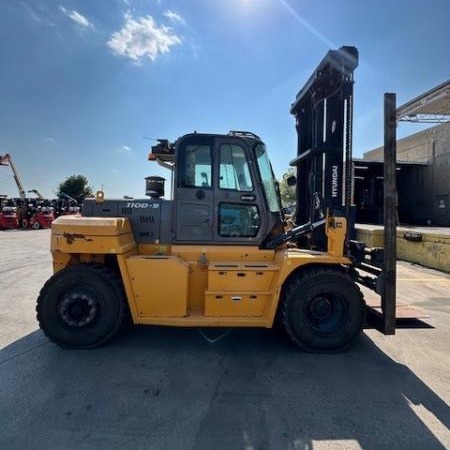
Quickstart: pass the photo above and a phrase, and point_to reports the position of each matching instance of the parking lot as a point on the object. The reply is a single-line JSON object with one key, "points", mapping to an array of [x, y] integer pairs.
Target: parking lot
{"points": [[167, 388]]}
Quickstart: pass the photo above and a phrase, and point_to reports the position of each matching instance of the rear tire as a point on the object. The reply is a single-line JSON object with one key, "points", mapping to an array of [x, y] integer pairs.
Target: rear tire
{"points": [[81, 306], [323, 310]]}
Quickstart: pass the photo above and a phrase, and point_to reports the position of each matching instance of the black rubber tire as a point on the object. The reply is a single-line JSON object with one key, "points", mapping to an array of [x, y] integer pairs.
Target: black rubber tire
{"points": [[323, 292], [93, 281]]}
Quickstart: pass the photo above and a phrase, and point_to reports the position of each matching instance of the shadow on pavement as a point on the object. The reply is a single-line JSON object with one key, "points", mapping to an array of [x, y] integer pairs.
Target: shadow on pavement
{"points": [[167, 388]]}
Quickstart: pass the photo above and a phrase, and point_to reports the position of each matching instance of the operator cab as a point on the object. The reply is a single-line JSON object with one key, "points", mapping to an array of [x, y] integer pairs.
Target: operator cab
{"points": [[225, 190]]}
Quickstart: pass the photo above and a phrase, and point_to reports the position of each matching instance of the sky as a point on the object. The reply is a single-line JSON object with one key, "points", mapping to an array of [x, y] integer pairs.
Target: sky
{"points": [[87, 85]]}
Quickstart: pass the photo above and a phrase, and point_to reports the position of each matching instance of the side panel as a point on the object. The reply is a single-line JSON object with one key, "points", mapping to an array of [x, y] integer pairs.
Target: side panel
{"points": [[241, 277], [231, 305], [150, 219], [239, 289], [198, 276], [194, 215], [159, 285]]}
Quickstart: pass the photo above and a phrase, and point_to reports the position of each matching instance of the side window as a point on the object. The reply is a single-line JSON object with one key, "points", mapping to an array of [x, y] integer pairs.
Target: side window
{"points": [[234, 172], [237, 220], [197, 166]]}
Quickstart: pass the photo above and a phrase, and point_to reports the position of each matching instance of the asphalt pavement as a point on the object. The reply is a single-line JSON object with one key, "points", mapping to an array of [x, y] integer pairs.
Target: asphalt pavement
{"points": [[169, 388]]}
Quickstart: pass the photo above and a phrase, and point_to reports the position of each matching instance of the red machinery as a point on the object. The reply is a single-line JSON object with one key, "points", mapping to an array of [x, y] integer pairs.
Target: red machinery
{"points": [[8, 218], [35, 213], [28, 213], [42, 218]]}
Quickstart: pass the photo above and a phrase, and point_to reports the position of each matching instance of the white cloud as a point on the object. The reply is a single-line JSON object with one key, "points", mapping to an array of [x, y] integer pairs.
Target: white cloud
{"points": [[142, 38], [78, 18], [50, 139], [38, 15], [174, 17], [31, 13]]}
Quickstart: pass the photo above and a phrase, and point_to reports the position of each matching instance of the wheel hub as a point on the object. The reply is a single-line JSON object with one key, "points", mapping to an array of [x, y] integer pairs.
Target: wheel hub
{"points": [[78, 309], [321, 308], [326, 314]]}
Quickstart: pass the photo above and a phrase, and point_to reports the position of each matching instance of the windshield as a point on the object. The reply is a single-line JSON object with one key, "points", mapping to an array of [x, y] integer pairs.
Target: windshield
{"points": [[267, 178]]}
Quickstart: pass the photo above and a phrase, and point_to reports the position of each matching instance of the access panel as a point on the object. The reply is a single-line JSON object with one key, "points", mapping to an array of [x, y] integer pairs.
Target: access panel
{"points": [[160, 285]]}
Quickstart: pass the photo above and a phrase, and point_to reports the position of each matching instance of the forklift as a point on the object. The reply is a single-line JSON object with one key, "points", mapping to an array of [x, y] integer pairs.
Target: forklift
{"points": [[221, 253], [8, 215]]}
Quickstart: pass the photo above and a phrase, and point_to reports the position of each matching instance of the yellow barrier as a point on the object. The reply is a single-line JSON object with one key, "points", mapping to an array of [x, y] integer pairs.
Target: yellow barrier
{"points": [[427, 248]]}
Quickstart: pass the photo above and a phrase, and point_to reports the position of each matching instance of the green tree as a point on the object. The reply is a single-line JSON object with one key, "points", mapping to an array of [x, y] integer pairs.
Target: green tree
{"points": [[76, 186], [288, 195]]}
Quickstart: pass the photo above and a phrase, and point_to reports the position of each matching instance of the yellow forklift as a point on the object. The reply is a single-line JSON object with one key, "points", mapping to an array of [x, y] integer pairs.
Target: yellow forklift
{"points": [[220, 254]]}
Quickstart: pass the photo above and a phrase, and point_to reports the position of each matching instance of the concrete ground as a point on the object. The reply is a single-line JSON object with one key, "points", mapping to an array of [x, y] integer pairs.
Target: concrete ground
{"points": [[167, 388]]}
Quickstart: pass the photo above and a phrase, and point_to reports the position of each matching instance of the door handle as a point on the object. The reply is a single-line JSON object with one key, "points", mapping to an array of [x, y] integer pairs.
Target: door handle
{"points": [[248, 197]]}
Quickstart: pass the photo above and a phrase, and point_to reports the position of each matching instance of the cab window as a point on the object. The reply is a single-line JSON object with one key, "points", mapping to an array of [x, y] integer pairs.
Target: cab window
{"points": [[234, 173], [237, 220], [197, 166]]}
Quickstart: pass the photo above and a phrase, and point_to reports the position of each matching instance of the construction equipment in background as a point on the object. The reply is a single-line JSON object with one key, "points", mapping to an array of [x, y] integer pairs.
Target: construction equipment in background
{"points": [[220, 254], [8, 215], [39, 213], [14, 216], [66, 205], [33, 213], [41, 216], [25, 212], [6, 160], [38, 194], [67, 196]]}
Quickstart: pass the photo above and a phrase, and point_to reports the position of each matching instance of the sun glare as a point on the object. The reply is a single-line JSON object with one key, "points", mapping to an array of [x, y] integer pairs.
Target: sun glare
{"points": [[306, 24]]}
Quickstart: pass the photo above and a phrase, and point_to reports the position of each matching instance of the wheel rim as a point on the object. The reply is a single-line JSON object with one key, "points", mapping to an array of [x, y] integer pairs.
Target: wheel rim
{"points": [[326, 314], [79, 309]]}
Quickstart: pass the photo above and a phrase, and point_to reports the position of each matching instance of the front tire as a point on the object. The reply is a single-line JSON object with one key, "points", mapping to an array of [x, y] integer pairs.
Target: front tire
{"points": [[81, 306], [323, 310]]}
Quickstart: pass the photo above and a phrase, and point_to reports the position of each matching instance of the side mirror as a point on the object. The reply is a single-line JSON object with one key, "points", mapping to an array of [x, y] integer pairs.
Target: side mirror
{"points": [[291, 181]]}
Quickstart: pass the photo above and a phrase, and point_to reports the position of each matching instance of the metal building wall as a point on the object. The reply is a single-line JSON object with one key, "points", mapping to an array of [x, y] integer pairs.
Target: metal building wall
{"points": [[424, 191]]}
